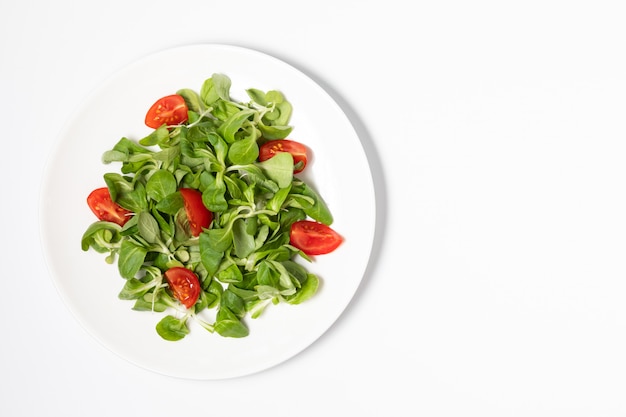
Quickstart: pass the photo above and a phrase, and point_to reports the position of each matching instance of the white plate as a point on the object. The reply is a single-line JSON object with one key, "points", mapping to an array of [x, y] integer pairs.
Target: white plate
{"points": [[338, 170]]}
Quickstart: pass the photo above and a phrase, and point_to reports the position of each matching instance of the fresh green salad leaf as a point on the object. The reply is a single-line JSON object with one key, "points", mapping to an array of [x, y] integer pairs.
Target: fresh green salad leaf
{"points": [[242, 258]]}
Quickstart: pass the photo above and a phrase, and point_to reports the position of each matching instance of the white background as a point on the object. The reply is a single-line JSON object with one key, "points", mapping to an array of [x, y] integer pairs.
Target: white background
{"points": [[495, 133]]}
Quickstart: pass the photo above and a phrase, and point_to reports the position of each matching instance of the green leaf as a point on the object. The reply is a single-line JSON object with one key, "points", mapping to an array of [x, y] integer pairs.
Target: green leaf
{"points": [[319, 211], [166, 225], [218, 239], [219, 146], [268, 292], [244, 151], [208, 93], [114, 156], [290, 216], [161, 184], [257, 96], [232, 274], [148, 227], [192, 99], [279, 168], [222, 85], [308, 289], [213, 192], [158, 136], [243, 242], [215, 290], [128, 194], [131, 258], [210, 257], [228, 324], [101, 236], [267, 276], [277, 200], [296, 270], [170, 204], [285, 282], [167, 156], [215, 88], [145, 304], [134, 288], [244, 294], [126, 147], [235, 186], [223, 110], [281, 113], [261, 236], [234, 303], [274, 132], [228, 129], [172, 329]]}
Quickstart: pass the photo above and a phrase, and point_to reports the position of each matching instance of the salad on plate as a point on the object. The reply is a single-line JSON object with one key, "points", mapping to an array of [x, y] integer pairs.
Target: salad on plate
{"points": [[207, 218]]}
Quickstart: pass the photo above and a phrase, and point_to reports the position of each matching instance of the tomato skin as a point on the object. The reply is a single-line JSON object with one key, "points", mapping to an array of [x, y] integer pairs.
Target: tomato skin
{"points": [[105, 209], [184, 285], [314, 238], [199, 216], [296, 149], [170, 110]]}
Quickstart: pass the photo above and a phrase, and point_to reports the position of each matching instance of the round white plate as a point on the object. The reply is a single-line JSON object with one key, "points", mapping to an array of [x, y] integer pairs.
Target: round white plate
{"points": [[338, 170]]}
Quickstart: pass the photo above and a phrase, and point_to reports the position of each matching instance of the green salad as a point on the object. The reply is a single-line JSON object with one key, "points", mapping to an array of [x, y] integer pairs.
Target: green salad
{"points": [[206, 216]]}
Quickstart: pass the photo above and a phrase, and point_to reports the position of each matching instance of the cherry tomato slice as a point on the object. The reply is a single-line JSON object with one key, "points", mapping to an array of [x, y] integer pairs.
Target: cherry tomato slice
{"points": [[100, 202], [314, 238], [184, 285], [296, 149], [199, 216], [169, 110]]}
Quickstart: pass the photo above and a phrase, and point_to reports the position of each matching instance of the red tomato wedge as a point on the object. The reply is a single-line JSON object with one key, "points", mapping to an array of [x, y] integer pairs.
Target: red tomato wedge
{"points": [[296, 149], [100, 202], [199, 216], [169, 110], [314, 238], [184, 285]]}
